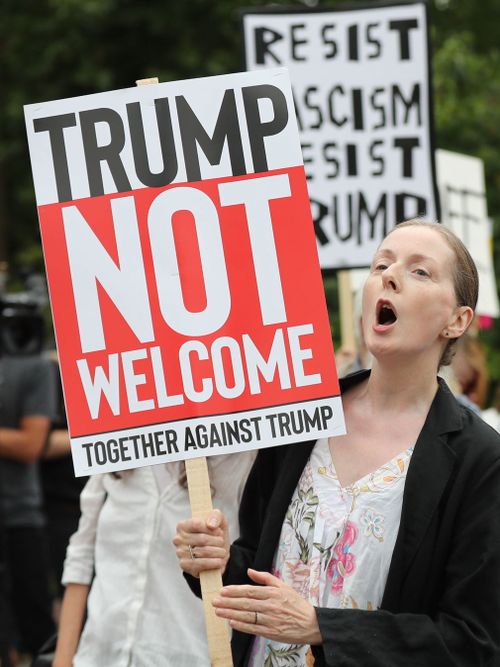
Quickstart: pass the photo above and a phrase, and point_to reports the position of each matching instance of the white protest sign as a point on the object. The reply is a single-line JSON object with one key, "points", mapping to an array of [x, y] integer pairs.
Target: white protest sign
{"points": [[464, 210], [182, 266], [360, 79]]}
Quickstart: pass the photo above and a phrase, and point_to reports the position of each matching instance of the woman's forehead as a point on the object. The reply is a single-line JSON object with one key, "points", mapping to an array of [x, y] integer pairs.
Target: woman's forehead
{"points": [[417, 240]]}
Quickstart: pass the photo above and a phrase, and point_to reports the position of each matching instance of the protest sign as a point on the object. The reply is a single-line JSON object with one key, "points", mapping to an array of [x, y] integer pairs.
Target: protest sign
{"points": [[464, 210], [360, 78], [187, 297]]}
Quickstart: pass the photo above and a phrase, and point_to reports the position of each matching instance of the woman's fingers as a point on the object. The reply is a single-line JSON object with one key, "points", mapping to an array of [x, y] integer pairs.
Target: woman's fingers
{"points": [[197, 526], [195, 567], [273, 611], [198, 553], [202, 544], [198, 540], [265, 578], [253, 618], [247, 592]]}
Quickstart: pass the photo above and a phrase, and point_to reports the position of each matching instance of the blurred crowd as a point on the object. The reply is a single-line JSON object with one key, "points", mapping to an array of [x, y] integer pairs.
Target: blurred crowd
{"points": [[39, 494]]}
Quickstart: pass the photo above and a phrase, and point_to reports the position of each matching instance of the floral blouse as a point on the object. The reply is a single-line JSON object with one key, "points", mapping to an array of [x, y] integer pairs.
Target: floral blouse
{"points": [[336, 543]]}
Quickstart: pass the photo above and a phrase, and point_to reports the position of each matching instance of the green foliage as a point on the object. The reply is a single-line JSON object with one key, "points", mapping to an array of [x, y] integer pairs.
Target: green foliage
{"points": [[466, 76]]}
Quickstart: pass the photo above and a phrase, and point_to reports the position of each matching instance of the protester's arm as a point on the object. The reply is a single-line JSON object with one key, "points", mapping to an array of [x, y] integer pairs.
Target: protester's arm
{"points": [[258, 491], [25, 444], [25, 440], [70, 624], [78, 572], [79, 562], [57, 444]]}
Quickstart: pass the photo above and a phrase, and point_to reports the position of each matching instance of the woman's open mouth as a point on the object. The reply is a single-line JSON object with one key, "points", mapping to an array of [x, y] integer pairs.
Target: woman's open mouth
{"points": [[386, 315]]}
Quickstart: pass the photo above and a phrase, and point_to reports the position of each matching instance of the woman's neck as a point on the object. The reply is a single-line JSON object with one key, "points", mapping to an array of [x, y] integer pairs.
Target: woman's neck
{"points": [[400, 387]]}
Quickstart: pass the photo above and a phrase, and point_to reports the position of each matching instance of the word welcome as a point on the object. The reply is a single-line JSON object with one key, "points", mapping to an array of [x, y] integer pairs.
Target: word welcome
{"points": [[232, 367]]}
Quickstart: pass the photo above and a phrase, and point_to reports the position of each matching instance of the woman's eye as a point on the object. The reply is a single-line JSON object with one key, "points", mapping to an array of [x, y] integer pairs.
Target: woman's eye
{"points": [[380, 266], [421, 272]]}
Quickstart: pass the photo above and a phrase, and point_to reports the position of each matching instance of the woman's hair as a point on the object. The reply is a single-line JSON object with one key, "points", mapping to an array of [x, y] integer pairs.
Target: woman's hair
{"points": [[470, 369], [465, 277]]}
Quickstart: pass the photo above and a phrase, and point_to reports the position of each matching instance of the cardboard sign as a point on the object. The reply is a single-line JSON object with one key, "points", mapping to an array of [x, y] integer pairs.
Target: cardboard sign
{"points": [[184, 281], [360, 79], [463, 200]]}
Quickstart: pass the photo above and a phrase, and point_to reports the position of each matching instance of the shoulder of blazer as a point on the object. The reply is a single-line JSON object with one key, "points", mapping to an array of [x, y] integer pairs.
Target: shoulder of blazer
{"points": [[467, 435]]}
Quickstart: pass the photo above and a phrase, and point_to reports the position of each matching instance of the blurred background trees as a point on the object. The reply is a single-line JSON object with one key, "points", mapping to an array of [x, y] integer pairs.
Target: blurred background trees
{"points": [[51, 49]]}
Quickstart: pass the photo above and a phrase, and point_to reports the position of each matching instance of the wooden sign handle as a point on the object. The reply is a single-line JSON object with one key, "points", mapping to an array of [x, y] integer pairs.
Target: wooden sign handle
{"points": [[200, 497], [346, 308], [145, 82]]}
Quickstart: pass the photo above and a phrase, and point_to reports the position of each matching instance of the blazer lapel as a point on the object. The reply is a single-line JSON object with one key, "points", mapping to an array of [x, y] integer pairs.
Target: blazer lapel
{"points": [[291, 468], [428, 474]]}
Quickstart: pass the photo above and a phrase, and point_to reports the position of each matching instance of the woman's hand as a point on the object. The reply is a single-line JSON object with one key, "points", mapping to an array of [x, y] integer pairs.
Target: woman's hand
{"points": [[272, 610], [202, 544]]}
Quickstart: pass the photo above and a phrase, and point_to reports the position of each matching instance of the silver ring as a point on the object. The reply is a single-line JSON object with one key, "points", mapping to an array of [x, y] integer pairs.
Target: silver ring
{"points": [[256, 618], [191, 552]]}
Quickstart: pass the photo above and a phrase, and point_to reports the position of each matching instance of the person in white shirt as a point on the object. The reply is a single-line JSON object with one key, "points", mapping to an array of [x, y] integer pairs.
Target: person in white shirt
{"points": [[122, 570]]}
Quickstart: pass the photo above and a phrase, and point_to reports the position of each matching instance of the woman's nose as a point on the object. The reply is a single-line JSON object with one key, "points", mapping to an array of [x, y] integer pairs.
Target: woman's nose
{"points": [[390, 279]]}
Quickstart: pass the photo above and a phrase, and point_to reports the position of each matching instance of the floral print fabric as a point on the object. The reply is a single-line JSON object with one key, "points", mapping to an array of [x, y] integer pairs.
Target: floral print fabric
{"points": [[336, 542]]}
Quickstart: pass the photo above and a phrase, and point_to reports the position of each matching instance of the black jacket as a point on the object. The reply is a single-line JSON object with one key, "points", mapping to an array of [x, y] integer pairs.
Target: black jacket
{"points": [[441, 605]]}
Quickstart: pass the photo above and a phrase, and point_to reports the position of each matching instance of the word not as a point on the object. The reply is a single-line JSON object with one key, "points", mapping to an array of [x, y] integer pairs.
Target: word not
{"points": [[127, 286]]}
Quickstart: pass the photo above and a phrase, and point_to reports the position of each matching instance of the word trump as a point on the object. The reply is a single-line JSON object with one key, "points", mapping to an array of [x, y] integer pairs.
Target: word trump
{"points": [[104, 134]]}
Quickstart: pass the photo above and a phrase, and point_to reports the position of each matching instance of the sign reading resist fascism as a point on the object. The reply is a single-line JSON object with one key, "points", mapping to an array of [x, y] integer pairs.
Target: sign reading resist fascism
{"points": [[183, 273], [360, 79]]}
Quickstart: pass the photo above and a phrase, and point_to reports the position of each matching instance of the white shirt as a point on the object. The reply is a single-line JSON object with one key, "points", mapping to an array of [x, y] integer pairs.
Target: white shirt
{"points": [[141, 612], [336, 542]]}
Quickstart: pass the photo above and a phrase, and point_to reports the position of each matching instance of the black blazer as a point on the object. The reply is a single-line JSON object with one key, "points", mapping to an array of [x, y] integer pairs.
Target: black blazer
{"points": [[441, 605]]}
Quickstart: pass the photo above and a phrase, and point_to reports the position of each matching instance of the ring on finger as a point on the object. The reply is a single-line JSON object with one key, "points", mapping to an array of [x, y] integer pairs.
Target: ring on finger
{"points": [[191, 552]]}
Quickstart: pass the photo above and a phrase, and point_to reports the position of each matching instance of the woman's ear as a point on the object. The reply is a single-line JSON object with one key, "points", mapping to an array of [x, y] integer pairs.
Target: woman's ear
{"points": [[460, 322]]}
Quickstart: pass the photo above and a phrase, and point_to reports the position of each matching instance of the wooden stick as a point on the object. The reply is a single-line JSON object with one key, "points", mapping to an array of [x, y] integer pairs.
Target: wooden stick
{"points": [[146, 82], [200, 497], [346, 307]]}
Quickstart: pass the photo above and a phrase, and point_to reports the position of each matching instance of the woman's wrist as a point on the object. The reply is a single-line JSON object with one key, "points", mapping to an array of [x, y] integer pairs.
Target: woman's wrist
{"points": [[315, 633]]}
